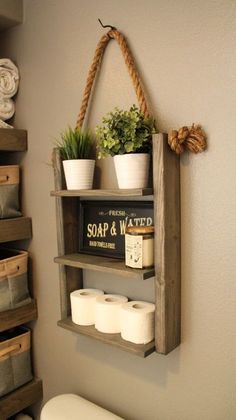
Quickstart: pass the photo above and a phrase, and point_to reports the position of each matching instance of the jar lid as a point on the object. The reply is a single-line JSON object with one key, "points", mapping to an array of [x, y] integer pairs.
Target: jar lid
{"points": [[139, 229]]}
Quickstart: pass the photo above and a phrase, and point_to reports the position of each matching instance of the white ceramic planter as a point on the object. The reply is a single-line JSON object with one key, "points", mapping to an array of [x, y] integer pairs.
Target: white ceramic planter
{"points": [[132, 170], [79, 173]]}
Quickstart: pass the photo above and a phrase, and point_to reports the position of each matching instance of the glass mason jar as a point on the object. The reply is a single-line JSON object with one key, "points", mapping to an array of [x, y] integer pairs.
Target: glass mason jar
{"points": [[139, 246]]}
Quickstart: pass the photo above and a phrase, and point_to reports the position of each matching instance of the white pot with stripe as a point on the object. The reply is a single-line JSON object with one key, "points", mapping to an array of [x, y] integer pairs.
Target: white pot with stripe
{"points": [[132, 170], [79, 173]]}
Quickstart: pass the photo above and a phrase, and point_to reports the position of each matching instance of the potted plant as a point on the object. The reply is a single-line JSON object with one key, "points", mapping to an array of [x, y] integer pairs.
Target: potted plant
{"points": [[127, 135], [75, 148]]}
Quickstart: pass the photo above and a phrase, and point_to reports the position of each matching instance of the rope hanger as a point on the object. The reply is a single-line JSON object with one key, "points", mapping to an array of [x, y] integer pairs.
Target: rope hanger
{"points": [[194, 139], [113, 33]]}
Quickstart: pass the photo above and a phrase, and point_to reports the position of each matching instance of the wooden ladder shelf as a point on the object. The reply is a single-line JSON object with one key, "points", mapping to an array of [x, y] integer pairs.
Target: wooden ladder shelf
{"points": [[166, 200]]}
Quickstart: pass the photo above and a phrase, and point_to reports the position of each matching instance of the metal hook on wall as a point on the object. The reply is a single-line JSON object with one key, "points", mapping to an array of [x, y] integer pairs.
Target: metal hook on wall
{"points": [[106, 26]]}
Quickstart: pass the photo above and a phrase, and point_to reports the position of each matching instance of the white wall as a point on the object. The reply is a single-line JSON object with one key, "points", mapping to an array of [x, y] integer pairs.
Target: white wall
{"points": [[185, 51]]}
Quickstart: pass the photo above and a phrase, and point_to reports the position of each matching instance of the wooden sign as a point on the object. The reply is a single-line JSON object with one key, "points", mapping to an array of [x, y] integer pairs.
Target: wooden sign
{"points": [[103, 224]]}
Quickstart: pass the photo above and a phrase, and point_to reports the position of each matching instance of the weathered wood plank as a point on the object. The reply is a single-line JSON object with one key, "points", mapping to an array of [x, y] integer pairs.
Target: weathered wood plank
{"points": [[13, 140], [18, 316], [67, 238], [15, 229], [166, 176], [137, 192], [105, 265], [114, 340], [21, 398]]}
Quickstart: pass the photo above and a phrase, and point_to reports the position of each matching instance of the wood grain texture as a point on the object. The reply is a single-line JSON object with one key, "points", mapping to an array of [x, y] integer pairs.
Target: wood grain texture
{"points": [[166, 189], [14, 317], [166, 176], [21, 398], [12, 230], [105, 265], [67, 238], [115, 340], [13, 140], [15, 229], [137, 192], [9, 174]]}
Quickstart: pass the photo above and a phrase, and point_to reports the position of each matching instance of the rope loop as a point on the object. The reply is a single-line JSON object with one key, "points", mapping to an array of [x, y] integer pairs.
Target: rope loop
{"points": [[101, 46], [193, 139]]}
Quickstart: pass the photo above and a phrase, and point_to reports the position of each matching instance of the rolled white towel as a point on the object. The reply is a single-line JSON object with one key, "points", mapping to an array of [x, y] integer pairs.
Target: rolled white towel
{"points": [[23, 416], [4, 124], [7, 108], [9, 78]]}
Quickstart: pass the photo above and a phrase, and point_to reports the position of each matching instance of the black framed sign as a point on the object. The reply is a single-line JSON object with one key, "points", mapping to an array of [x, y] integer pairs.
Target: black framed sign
{"points": [[103, 223]]}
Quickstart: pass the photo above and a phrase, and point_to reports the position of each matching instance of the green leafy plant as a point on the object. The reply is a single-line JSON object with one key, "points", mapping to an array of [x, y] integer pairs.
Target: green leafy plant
{"points": [[124, 132], [75, 144]]}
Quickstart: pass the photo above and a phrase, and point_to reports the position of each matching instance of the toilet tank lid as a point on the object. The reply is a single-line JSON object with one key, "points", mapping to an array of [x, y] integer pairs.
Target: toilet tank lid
{"points": [[74, 407]]}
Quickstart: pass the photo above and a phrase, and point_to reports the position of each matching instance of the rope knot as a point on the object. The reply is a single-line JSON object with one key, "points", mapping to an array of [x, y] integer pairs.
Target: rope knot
{"points": [[194, 139]]}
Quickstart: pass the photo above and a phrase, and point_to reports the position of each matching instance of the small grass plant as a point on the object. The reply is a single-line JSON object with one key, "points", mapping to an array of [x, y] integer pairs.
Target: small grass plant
{"points": [[75, 144]]}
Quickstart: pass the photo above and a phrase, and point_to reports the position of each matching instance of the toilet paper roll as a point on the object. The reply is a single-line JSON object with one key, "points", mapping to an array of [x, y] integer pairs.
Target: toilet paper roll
{"points": [[107, 313], [83, 305], [137, 322]]}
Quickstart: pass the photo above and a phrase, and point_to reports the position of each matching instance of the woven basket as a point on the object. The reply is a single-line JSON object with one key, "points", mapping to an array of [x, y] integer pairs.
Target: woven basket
{"points": [[15, 360], [9, 191], [13, 279]]}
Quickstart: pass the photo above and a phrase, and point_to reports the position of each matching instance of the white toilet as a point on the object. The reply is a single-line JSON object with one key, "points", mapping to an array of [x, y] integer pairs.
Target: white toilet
{"points": [[73, 407]]}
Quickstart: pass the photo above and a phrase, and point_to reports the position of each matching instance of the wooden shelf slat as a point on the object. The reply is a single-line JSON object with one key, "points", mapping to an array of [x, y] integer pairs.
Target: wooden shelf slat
{"points": [[13, 140], [166, 176], [142, 350], [14, 317], [105, 265], [21, 398], [137, 192], [15, 229]]}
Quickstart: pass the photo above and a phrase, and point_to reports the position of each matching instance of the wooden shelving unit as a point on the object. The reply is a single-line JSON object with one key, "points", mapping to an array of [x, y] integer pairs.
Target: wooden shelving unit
{"points": [[15, 229], [21, 398], [166, 201], [13, 140], [18, 316], [114, 340], [138, 192], [105, 265]]}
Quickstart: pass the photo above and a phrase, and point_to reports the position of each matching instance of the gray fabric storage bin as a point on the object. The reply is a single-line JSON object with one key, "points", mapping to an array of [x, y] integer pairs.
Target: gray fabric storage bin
{"points": [[13, 279], [15, 360], [9, 191]]}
